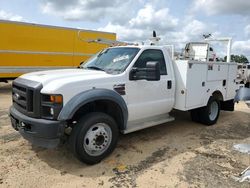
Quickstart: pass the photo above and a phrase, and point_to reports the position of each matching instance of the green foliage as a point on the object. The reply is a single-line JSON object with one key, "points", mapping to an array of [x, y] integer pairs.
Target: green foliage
{"points": [[238, 58]]}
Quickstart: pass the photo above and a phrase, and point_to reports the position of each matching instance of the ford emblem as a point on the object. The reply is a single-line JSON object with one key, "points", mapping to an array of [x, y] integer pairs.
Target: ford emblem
{"points": [[17, 96]]}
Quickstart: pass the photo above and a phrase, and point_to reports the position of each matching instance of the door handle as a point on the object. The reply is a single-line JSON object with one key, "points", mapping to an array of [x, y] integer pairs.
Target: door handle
{"points": [[169, 84]]}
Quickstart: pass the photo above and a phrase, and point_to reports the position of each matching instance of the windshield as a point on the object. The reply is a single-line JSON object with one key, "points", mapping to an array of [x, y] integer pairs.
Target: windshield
{"points": [[112, 60]]}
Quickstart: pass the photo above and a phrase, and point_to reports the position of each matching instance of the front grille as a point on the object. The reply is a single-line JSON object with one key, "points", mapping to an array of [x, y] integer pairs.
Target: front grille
{"points": [[19, 96], [26, 96]]}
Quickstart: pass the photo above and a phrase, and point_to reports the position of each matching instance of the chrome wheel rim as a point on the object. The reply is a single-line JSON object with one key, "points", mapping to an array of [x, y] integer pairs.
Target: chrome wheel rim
{"points": [[213, 111], [97, 139]]}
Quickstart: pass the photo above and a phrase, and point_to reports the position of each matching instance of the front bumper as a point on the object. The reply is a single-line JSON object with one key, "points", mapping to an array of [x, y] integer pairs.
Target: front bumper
{"points": [[39, 132]]}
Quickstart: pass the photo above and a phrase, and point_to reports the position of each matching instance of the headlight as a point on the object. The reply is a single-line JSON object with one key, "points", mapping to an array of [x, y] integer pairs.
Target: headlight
{"points": [[51, 106]]}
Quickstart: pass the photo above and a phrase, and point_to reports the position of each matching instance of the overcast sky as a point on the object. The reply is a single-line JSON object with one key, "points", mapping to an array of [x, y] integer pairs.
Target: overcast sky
{"points": [[176, 21]]}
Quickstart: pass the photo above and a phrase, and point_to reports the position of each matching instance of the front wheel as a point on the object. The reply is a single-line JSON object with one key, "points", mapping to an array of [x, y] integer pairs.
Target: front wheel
{"points": [[210, 113], [94, 137]]}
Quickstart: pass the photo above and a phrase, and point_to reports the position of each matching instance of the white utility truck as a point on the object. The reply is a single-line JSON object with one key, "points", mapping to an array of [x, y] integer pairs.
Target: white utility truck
{"points": [[121, 89]]}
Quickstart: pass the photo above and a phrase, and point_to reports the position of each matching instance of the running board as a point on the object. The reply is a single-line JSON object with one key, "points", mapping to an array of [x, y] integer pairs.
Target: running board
{"points": [[147, 122]]}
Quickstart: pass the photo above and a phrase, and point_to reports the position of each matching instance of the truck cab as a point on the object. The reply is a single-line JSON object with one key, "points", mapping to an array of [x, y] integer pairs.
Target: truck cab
{"points": [[120, 89]]}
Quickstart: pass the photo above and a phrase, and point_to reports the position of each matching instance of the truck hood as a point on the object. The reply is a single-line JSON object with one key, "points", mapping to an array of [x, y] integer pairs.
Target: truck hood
{"points": [[45, 77], [70, 82]]}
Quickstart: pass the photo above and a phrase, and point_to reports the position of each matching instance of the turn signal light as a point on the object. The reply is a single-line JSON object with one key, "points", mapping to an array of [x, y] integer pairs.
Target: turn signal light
{"points": [[56, 98]]}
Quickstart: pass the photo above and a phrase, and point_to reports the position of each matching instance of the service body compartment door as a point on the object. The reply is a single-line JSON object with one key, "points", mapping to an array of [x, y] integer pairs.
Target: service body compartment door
{"points": [[217, 72], [231, 81], [196, 84]]}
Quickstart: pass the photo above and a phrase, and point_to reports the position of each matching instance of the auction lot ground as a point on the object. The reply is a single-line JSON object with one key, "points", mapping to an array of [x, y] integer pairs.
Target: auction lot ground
{"points": [[177, 154]]}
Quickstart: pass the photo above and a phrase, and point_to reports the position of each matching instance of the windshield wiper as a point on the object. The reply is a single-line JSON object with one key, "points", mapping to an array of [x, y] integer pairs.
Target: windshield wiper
{"points": [[113, 70], [95, 68]]}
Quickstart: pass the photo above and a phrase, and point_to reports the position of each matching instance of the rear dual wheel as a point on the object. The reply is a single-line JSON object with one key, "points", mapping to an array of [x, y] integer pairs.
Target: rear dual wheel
{"points": [[209, 114]]}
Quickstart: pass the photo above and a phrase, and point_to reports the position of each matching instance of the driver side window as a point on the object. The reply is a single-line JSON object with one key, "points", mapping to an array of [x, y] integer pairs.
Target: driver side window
{"points": [[152, 55]]}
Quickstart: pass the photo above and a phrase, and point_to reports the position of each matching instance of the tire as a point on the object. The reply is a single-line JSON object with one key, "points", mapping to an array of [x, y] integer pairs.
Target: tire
{"points": [[210, 113], [94, 137], [195, 115]]}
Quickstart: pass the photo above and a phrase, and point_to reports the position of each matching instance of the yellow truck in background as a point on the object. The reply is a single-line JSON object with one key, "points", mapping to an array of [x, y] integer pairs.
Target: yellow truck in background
{"points": [[26, 47]]}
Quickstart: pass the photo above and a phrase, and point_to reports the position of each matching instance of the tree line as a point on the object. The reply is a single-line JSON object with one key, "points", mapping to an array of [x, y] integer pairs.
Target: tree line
{"points": [[238, 58]]}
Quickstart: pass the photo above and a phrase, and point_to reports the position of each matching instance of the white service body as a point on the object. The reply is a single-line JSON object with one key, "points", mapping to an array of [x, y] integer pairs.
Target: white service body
{"points": [[196, 81]]}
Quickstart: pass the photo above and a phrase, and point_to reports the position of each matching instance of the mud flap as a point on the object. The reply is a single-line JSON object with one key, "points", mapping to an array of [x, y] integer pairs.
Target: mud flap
{"points": [[227, 105]]}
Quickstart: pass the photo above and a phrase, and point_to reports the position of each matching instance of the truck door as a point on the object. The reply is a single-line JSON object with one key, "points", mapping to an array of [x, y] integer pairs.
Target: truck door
{"points": [[151, 98]]}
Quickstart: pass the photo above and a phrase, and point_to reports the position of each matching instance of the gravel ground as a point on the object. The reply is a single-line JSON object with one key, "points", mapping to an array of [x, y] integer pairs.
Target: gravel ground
{"points": [[177, 154]]}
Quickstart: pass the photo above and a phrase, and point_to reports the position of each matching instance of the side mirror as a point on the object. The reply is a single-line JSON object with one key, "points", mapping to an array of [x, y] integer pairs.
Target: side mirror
{"points": [[153, 71], [150, 73]]}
